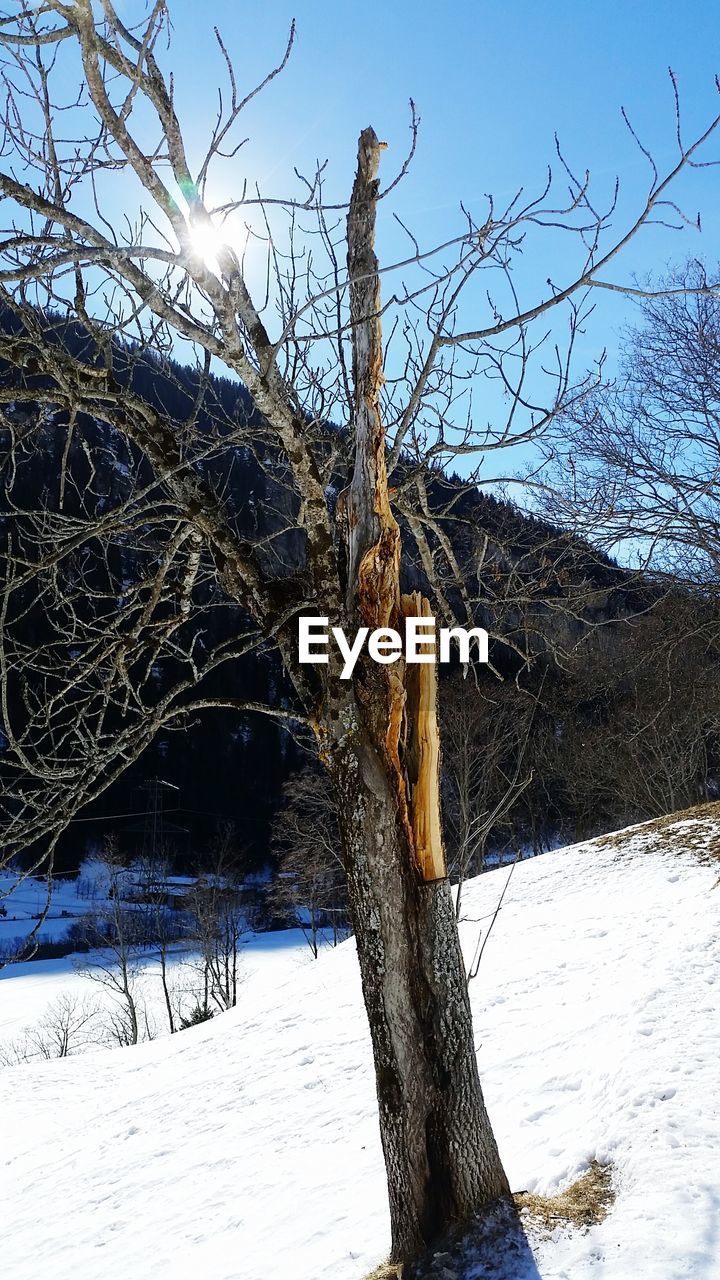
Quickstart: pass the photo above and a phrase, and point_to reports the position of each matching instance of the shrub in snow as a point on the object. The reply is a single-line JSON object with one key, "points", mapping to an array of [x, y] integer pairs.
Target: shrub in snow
{"points": [[199, 1013]]}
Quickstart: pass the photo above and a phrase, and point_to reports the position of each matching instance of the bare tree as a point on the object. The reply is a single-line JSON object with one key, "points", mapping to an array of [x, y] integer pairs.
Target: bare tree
{"points": [[640, 723], [163, 927], [68, 1025], [220, 922], [123, 565], [636, 465], [119, 936], [485, 735], [310, 887], [16, 1051]]}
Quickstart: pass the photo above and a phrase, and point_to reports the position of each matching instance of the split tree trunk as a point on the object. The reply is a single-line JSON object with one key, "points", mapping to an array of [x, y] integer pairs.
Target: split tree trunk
{"points": [[440, 1153]]}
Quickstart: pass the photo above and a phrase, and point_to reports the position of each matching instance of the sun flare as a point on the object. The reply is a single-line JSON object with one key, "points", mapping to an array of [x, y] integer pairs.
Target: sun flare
{"points": [[214, 245], [207, 242]]}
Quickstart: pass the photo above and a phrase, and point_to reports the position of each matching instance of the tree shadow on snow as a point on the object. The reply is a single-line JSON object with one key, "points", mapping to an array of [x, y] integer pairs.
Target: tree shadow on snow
{"points": [[493, 1248]]}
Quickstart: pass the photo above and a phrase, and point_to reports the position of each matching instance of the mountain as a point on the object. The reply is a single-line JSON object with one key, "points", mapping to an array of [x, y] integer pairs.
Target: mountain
{"points": [[555, 607]]}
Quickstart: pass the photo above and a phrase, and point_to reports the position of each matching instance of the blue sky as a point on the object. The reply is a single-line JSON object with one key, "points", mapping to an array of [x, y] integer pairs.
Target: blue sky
{"points": [[493, 82]]}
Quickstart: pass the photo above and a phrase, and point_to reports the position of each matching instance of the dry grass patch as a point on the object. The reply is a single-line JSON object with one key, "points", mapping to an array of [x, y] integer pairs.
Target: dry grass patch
{"points": [[695, 831], [583, 1204]]}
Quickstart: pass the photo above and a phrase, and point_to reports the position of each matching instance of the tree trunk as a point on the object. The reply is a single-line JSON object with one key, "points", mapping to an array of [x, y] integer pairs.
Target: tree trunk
{"points": [[441, 1157], [165, 987]]}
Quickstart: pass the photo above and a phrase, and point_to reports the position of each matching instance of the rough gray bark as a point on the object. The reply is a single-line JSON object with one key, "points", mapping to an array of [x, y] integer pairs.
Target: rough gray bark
{"points": [[441, 1157]]}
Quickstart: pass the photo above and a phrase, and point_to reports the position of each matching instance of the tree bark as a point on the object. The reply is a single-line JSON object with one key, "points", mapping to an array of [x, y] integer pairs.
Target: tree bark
{"points": [[441, 1157]]}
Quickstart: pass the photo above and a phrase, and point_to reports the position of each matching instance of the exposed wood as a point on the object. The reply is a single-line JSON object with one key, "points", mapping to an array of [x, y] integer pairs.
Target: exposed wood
{"points": [[411, 735], [422, 754]]}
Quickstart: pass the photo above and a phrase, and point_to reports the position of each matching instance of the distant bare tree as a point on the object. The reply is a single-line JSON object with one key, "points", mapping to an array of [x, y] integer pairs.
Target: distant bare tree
{"points": [[16, 1051], [641, 724], [636, 465], [119, 936], [220, 921], [69, 1024], [485, 736], [310, 886], [163, 926]]}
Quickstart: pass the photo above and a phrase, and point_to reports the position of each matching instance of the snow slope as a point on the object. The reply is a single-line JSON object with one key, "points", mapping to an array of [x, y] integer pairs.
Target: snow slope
{"points": [[29, 989], [248, 1148]]}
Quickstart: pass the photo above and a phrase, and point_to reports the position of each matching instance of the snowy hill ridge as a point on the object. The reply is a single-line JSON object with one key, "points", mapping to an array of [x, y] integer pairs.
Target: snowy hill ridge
{"points": [[247, 1148]]}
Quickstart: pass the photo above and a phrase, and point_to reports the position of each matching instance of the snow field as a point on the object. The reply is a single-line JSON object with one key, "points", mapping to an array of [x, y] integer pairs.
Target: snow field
{"points": [[247, 1148]]}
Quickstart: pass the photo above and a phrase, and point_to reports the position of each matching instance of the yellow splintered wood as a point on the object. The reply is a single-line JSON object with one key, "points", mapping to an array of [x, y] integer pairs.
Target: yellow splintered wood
{"points": [[422, 755]]}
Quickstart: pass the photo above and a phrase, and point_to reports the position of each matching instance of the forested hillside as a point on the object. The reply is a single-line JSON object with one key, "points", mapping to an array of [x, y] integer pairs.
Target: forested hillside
{"points": [[578, 723]]}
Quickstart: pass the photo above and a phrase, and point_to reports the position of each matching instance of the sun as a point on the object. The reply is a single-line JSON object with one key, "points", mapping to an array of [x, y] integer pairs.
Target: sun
{"points": [[207, 243], [214, 246]]}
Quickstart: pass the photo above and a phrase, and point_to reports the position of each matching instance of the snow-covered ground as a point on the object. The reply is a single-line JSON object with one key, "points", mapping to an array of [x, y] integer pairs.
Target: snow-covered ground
{"points": [[26, 901], [29, 990], [247, 1148]]}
